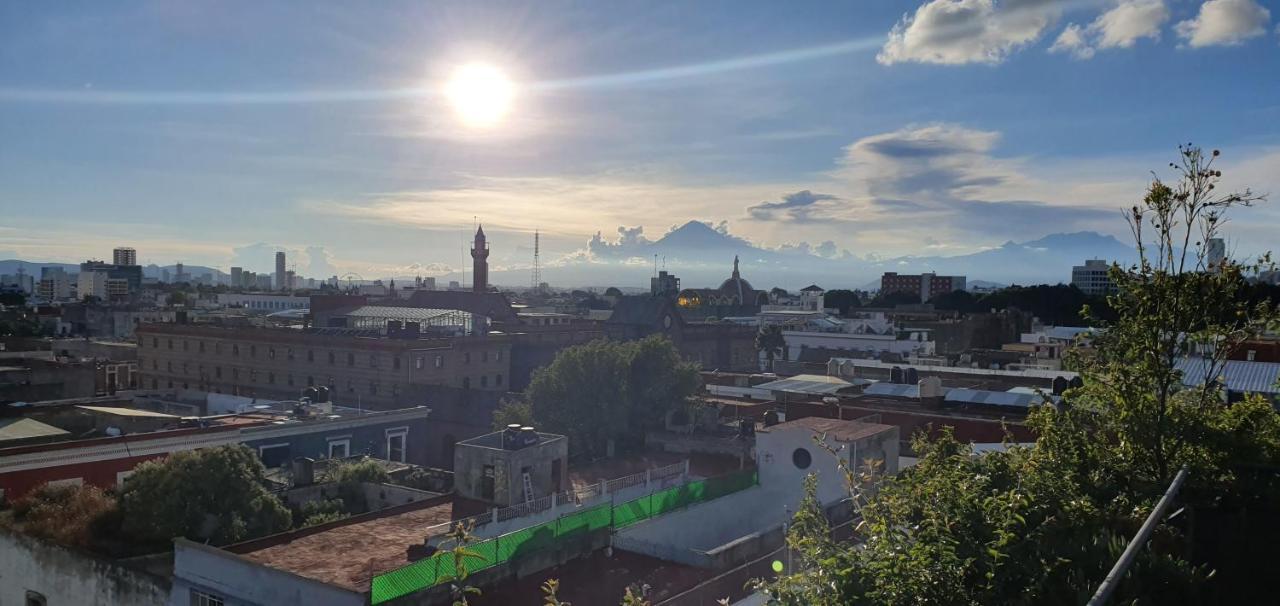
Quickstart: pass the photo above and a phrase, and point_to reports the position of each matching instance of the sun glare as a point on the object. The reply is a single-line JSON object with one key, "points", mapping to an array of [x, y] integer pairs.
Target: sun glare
{"points": [[481, 94]]}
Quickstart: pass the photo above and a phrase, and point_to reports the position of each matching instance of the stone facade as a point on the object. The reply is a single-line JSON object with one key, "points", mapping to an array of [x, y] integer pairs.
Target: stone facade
{"points": [[280, 363]]}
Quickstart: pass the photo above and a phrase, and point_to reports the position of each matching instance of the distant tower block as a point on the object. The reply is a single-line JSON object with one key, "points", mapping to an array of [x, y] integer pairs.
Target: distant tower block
{"points": [[537, 266], [280, 277], [124, 256], [480, 262]]}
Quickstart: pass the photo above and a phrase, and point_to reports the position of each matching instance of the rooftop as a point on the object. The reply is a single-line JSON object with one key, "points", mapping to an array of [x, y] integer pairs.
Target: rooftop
{"points": [[837, 429], [24, 429], [494, 440], [345, 553], [811, 384]]}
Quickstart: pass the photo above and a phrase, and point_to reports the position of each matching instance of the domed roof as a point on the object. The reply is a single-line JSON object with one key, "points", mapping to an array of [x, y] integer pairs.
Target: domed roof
{"points": [[736, 285], [613, 291]]}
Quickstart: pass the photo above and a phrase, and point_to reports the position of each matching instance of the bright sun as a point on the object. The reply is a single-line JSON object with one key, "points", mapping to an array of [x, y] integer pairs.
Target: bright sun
{"points": [[481, 94]]}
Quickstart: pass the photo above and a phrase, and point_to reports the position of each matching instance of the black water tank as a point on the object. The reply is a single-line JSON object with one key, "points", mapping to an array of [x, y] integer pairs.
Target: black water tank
{"points": [[1060, 385], [895, 375], [910, 376]]}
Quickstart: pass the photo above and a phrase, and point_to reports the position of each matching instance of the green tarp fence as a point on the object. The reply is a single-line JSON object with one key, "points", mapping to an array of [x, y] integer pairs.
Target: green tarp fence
{"points": [[440, 567]]}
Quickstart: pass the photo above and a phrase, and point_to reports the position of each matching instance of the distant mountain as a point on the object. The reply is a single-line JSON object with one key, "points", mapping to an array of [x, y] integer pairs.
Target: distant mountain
{"points": [[1046, 260]]}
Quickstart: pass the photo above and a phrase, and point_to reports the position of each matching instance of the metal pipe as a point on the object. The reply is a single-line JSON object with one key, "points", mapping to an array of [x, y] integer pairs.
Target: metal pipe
{"points": [[1118, 571]]}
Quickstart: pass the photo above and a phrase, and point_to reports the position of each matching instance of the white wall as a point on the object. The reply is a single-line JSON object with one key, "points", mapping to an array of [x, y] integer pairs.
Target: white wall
{"points": [[242, 582], [66, 577]]}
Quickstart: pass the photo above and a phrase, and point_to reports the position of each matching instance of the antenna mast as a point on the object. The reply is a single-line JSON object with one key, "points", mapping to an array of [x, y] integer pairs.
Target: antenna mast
{"points": [[537, 265]]}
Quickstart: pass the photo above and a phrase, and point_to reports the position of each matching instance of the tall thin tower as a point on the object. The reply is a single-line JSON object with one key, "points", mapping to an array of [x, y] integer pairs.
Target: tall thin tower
{"points": [[537, 264]]}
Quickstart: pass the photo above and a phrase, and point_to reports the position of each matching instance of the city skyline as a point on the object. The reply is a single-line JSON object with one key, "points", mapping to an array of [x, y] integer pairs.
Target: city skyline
{"points": [[825, 130]]}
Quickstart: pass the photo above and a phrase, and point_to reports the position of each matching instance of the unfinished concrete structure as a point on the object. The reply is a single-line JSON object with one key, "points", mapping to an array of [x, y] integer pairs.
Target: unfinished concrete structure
{"points": [[512, 466]]}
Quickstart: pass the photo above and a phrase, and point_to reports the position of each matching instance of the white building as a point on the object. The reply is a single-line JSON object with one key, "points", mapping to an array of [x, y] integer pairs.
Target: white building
{"points": [[868, 333], [55, 284], [92, 283], [1091, 278]]}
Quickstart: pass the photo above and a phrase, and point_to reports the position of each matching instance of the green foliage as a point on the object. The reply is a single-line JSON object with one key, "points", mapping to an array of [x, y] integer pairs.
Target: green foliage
{"points": [[770, 341], [843, 300], [1043, 525], [211, 494], [355, 472], [607, 390], [76, 516], [1059, 304], [894, 299], [513, 411], [321, 511]]}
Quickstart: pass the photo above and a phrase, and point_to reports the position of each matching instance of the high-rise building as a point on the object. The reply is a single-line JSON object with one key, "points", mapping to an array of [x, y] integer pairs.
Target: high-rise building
{"points": [[291, 280], [281, 277], [480, 262], [1092, 279], [55, 284], [92, 284], [926, 286], [179, 275], [664, 285], [237, 277], [1216, 254], [124, 256]]}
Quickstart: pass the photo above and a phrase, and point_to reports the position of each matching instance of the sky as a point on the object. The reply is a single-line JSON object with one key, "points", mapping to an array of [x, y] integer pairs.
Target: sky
{"points": [[215, 133]]}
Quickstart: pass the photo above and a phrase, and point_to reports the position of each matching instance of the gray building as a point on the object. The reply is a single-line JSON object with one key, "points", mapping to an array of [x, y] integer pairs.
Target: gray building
{"points": [[1092, 279], [512, 466], [281, 275]]}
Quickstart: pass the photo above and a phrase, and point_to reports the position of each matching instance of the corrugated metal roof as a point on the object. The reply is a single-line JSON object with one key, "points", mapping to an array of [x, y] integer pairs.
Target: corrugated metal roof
{"points": [[995, 398], [406, 313], [1239, 375], [20, 429], [811, 384], [128, 412], [895, 390]]}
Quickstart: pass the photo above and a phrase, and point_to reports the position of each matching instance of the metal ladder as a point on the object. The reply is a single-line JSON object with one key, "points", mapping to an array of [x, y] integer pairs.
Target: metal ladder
{"points": [[528, 488]]}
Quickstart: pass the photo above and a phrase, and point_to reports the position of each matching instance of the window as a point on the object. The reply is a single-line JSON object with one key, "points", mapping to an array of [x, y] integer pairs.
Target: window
{"points": [[184, 368], [497, 380], [439, 362], [484, 356], [351, 386], [154, 385], [253, 375], [466, 382], [484, 380], [271, 353], [339, 449], [396, 444], [289, 353], [290, 380], [351, 359], [168, 366], [466, 358], [253, 351], [801, 458], [498, 355], [170, 343], [417, 363], [217, 371], [331, 362], [235, 373], [186, 345], [395, 363], [373, 360], [373, 388], [311, 356], [235, 350], [274, 455], [155, 343], [201, 346], [155, 365], [271, 378], [200, 598]]}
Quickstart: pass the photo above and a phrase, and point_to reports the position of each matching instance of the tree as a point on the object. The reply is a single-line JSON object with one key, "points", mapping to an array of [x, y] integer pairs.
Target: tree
{"points": [[843, 300], [606, 391], [212, 494], [894, 299], [77, 516], [517, 412], [769, 339], [1043, 524]]}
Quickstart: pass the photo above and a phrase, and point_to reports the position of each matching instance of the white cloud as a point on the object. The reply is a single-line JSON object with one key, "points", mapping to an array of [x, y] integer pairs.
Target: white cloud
{"points": [[1224, 22], [1072, 40], [954, 32], [1120, 27]]}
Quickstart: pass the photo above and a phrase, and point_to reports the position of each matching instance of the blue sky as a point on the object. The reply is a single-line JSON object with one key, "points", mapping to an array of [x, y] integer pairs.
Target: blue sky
{"points": [[214, 133]]}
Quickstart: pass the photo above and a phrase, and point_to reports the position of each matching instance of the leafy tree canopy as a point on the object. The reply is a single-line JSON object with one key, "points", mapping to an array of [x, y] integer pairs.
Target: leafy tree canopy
{"points": [[843, 300], [211, 494], [608, 390]]}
